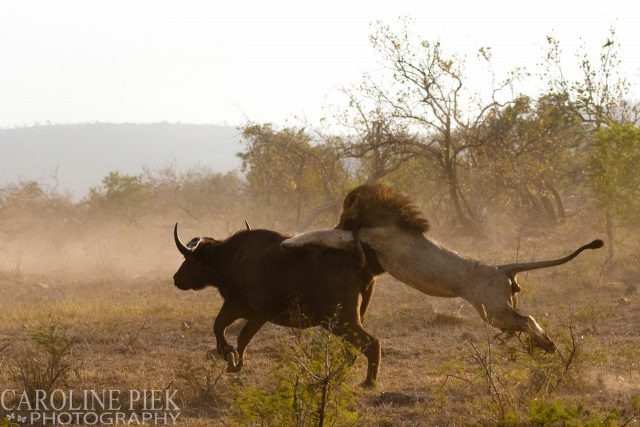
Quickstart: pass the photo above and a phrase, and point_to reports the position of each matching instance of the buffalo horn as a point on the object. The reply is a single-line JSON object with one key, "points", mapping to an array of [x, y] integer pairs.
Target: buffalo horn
{"points": [[184, 250]]}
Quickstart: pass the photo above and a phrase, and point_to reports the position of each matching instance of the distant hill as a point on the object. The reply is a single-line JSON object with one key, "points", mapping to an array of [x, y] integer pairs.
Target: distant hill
{"points": [[84, 153]]}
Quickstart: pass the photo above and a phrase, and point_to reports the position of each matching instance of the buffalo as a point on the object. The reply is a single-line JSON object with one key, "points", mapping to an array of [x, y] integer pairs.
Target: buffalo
{"points": [[261, 281]]}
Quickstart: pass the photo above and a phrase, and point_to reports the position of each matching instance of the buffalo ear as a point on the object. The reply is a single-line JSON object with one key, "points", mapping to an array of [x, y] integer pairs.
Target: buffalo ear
{"points": [[515, 289], [195, 247], [515, 286]]}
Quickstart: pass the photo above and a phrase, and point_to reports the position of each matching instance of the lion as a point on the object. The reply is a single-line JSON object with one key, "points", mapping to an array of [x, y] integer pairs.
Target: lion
{"points": [[392, 230]]}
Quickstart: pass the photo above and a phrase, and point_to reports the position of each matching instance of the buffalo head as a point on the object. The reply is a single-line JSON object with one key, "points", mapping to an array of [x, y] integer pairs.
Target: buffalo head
{"points": [[198, 270]]}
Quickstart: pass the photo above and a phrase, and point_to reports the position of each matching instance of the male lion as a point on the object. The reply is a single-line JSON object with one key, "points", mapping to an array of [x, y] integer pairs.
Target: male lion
{"points": [[390, 225]]}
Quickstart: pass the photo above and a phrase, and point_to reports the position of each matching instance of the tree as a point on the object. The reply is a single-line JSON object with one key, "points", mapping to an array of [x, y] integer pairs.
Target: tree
{"points": [[532, 152], [597, 98], [380, 143], [615, 162], [287, 174], [121, 194], [428, 93], [206, 196], [29, 206]]}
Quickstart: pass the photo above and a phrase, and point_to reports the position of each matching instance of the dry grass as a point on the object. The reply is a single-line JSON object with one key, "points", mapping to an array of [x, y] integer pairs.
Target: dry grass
{"points": [[139, 332]]}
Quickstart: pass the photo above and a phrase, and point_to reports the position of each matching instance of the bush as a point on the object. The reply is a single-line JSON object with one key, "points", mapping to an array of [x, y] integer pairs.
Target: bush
{"points": [[127, 196], [43, 362], [558, 413], [309, 386], [200, 379], [6, 422]]}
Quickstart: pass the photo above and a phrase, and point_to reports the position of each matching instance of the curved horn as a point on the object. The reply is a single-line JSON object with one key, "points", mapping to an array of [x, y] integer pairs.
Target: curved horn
{"points": [[247, 225], [512, 269], [184, 250]]}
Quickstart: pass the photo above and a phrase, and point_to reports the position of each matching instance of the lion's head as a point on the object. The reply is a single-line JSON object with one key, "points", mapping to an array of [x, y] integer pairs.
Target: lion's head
{"points": [[377, 205]]}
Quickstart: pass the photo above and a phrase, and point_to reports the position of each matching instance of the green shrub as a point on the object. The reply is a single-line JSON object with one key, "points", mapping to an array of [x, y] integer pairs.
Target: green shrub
{"points": [[200, 379], [43, 361], [558, 413], [308, 387]]}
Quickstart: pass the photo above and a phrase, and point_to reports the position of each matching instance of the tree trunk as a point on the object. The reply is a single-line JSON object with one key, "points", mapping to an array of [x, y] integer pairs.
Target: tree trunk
{"points": [[535, 205], [559, 204], [548, 208], [453, 193], [468, 225], [470, 211]]}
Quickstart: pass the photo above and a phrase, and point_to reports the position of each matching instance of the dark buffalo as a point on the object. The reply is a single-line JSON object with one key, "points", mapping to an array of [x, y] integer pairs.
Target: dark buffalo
{"points": [[262, 282]]}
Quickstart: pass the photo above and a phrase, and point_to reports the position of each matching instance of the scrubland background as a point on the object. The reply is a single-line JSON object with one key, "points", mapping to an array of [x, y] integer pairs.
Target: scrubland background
{"points": [[502, 177]]}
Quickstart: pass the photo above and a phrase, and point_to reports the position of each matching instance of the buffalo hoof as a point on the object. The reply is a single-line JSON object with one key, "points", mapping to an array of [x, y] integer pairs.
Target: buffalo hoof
{"points": [[236, 368], [233, 361]]}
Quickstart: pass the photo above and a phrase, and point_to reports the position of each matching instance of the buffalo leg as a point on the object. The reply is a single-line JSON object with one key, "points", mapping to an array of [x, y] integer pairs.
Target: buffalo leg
{"points": [[244, 338], [366, 299], [351, 330], [226, 317]]}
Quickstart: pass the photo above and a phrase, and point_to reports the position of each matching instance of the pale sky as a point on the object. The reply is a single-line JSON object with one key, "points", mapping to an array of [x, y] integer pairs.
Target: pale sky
{"points": [[225, 62]]}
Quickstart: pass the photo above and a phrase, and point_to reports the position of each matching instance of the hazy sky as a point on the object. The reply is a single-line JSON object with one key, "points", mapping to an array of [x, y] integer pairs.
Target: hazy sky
{"points": [[216, 62]]}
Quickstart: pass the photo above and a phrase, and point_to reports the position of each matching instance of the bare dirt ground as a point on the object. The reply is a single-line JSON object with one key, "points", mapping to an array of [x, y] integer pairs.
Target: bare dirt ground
{"points": [[136, 331]]}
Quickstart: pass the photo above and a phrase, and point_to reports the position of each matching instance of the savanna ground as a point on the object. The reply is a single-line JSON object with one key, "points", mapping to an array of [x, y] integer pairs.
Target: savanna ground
{"points": [[132, 329], [87, 300]]}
